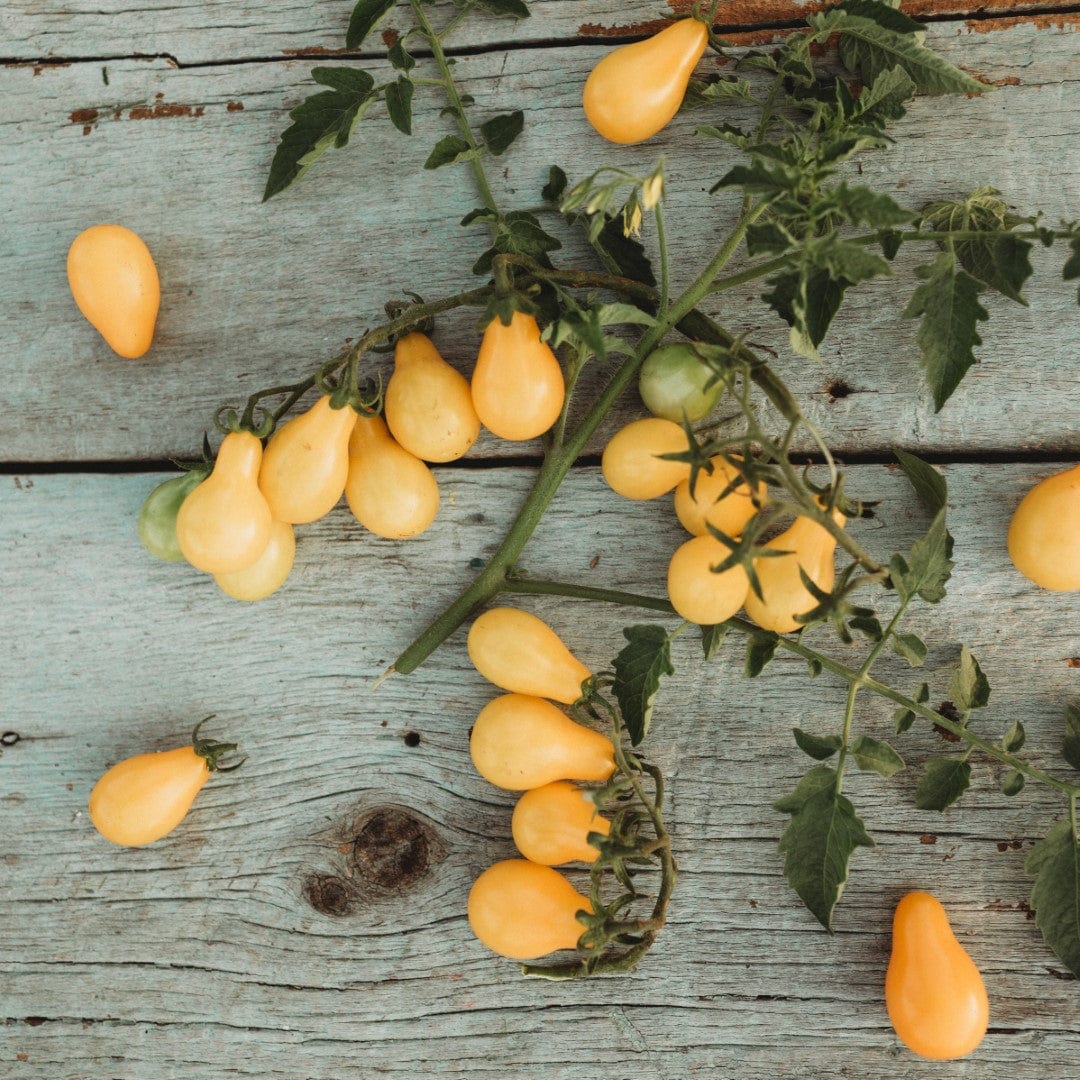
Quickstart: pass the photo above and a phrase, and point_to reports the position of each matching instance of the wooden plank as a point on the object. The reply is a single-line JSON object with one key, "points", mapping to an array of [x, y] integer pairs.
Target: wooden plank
{"points": [[213, 30], [202, 955], [256, 294]]}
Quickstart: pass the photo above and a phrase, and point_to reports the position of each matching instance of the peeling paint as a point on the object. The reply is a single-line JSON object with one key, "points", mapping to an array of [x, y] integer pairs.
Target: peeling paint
{"points": [[1067, 20], [86, 117], [234, 106], [313, 50], [390, 38], [165, 110]]}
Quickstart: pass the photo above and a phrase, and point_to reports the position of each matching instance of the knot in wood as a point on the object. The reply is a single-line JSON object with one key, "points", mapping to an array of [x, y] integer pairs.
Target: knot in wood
{"points": [[329, 895], [393, 849]]}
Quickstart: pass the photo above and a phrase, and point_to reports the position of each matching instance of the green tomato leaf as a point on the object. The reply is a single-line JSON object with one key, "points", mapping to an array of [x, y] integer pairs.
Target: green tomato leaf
{"points": [[555, 187], [760, 649], [514, 8], [819, 747], [399, 104], [1070, 751], [819, 841], [364, 17], [927, 568], [928, 483], [400, 57], [947, 302], [873, 755], [859, 204], [1071, 270], [1013, 739], [623, 254], [969, 688], [449, 151], [712, 639], [323, 121], [909, 647], [500, 131], [643, 662], [1054, 862], [1012, 783], [1003, 262], [944, 781], [905, 717]]}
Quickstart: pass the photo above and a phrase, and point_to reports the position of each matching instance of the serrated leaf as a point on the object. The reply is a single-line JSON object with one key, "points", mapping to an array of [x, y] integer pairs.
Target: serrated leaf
{"points": [[716, 88], [767, 239], [868, 48], [324, 120], [760, 649], [1071, 748], [969, 688], [928, 483], [399, 104], [1071, 269], [363, 19], [1001, 261], [910, 648], [1054, 862], [819, 747], [869, 625], [1012, 783], [927, 569], [712, 639], [873, 755], [890, 241], [623, 253], [555, 187], [945, 780], [639, 667], [500, 131], [449, 151], [947, 302], [819, 841], [862, 205], [884, 99], [813, 667], [1013, 739]]}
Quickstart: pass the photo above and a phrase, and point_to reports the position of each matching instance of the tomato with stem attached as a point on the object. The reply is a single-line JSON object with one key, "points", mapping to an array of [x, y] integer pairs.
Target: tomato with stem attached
{"points": [[143, 798], [224, 524], [675, 385], [720, 498], [551, 824], [306, 463], [696, 591], [520, 742], [523, 910]]}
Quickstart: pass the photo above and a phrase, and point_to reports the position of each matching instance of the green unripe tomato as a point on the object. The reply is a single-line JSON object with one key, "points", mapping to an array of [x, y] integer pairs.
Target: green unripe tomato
{"points": [[673, 382], [157, 518]]}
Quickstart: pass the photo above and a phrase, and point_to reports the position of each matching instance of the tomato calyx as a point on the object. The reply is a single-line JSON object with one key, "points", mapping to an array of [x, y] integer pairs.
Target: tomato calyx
{"points": [[212, 751], [229, 420]]}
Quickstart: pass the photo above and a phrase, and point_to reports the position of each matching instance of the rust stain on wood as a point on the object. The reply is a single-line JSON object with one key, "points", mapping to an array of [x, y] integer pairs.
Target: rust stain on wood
{"points": [[314, 50], [1066, 20], [86, 117], [164, 110], [234, 106]]}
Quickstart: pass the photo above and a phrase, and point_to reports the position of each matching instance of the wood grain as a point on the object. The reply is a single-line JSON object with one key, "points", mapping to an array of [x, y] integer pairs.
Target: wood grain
{"points": [[202, 955], [257, 293]]}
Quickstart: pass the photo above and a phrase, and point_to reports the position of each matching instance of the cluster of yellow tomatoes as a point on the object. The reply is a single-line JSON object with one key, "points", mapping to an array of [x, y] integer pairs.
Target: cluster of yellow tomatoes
{"points": [[720, 500], [521, 741]]}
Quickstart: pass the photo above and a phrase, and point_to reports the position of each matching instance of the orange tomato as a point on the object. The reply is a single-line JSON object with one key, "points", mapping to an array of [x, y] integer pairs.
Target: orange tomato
{"points": [[551, 824], [523, 910], [521, 653], [708, 505], [268, 572], [517, 385], [934, 993], [520, 742], [636, 89], [783, 594], [391, 492], [699, 594], [306, 462], [428, 404], [1044, 534], [224, 524], [631, 463]]}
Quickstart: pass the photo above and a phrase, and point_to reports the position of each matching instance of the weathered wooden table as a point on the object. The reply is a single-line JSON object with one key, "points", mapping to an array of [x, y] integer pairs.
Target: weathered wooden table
{"points": [[263, 938]]}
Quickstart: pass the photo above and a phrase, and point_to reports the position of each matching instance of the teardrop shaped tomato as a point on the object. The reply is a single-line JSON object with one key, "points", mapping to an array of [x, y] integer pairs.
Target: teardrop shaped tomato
{"points": [[306, 462], [520, 742], [391, 492], [636, 89], [809, 546], [428, 404], [521, 653], [115, 284], [523, 910], [1044, 534], [551, 824], [268, 572], [934, 993], [709, 505], [517, 384], [632, 464], [699, 594], [224, 524]]}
